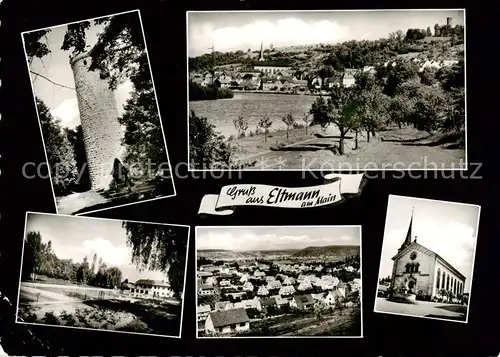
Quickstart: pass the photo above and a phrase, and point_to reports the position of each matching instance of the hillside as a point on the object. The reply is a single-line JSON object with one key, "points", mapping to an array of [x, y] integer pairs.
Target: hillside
{"points": [[348, 54], [337, 251], [332, 251]]}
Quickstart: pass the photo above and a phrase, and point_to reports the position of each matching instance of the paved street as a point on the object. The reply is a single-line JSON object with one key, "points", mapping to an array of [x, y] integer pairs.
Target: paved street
{"points": [[422, 309]]}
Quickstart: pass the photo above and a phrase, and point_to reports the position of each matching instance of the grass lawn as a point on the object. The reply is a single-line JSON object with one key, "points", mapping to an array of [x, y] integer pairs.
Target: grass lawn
{"points": [[343, 322], [393, 148]]}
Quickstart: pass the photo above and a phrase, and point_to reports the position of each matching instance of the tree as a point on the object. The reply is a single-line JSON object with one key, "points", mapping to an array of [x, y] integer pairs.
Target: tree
{"points": [[75, 137], [455, 119], [207, 148], [340, 109], [428, 32], [83, 272], [60, 155], [437, 30], [289, 121], [161, 248], [402, 72], [326, 72], [400, 109], [430, 110], [33, 46], [307, 121], [32, 254], [428, 76], [241, 125], [372, 110], [265, 123]]}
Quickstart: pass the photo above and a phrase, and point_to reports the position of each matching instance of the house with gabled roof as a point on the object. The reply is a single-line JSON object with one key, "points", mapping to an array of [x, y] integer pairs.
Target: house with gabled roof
{"points": [[202, 312], [227, 321], [304, 286], [223, 305], [262, 291], [274, 285], [249, 304], [302, 302], [268, 301], [206, 290], [248, 286], [287, 290], [332, 297]]}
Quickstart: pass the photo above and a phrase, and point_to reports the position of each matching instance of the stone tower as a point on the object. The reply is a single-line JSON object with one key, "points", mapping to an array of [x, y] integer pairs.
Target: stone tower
{"points": [[102, 133], [261, 57], [449, 21]]}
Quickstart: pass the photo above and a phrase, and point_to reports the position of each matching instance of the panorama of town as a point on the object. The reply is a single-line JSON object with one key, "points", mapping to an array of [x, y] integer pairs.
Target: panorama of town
{"points": [[279, 295], [394, 101]]}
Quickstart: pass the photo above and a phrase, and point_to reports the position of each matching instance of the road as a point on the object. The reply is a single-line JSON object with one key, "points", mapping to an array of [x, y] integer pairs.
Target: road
{"points": [[378, 155], [422, 309]]}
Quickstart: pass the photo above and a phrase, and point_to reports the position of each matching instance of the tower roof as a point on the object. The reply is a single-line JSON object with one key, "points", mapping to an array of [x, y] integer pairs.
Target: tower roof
{"points": [[409, 233]]}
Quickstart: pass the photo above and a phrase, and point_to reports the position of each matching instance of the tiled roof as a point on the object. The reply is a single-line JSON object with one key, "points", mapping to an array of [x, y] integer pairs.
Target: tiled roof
{"points": [[204, 308], [268, 301], [228, 317]]}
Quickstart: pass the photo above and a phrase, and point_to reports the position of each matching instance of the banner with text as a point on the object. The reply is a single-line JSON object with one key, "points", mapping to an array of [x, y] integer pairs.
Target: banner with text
{"points": [[328, 193]]}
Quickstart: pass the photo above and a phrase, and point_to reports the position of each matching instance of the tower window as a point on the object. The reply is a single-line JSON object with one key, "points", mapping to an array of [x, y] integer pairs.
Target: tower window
{"points": [[85, 62]]}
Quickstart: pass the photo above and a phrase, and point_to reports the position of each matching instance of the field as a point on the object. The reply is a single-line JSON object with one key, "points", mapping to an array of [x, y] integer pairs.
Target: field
{"points": [[393, 148], [344, 322], [75, 306]]}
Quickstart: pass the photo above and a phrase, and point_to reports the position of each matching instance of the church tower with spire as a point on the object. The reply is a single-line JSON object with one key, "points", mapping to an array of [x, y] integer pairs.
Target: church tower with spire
{"points": [[261, 58], [409, 234]]}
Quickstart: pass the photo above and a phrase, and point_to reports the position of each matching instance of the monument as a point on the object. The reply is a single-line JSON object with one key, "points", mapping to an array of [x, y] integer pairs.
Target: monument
{"points": [[102, 133]]}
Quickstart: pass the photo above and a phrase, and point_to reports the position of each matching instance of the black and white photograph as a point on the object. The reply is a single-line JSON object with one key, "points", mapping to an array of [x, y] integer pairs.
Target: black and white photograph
{"points": [[427, 258], [103, 274], [331, 89], [279, 281], [98, 114]]}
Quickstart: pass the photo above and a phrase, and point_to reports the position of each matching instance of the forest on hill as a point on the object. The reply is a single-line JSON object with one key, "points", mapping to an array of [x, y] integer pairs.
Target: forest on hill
{"points": [[349, 54]]}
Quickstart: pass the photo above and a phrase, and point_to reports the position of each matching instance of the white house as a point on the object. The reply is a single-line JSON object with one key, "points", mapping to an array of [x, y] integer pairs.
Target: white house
{"points": [[202, 312], [262, 291], [227, 321], [248, 286], [287, 290], [304, 286]]}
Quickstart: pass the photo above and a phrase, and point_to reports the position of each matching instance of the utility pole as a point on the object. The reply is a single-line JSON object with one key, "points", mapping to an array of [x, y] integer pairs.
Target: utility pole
{"points": [[213, 64]]}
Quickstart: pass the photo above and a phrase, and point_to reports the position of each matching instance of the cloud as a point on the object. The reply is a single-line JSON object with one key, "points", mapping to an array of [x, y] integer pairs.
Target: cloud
{"points": [[243, 240], [111, 254], [67, 112], [284, 32]]}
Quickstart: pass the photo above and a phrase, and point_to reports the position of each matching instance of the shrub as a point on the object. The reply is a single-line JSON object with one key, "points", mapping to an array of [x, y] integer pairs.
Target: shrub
{"points": [[51, 319]]}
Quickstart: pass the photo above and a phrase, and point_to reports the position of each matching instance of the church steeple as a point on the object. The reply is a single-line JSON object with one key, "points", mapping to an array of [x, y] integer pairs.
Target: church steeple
{"points": [[409, 234], [261, 58]]}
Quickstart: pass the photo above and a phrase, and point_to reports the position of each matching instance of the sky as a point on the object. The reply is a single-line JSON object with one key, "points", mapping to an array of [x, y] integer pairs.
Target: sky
{"points": [[274, 238], [448, 229], [243, 30], [76, 237], [55, 66]]}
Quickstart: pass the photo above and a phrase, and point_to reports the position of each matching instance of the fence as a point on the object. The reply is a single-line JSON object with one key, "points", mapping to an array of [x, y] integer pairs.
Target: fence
{"points": [[75, 291]]}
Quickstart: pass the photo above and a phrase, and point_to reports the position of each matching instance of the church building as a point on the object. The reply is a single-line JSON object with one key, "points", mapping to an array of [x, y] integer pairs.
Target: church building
{"points": [[418, 270]]}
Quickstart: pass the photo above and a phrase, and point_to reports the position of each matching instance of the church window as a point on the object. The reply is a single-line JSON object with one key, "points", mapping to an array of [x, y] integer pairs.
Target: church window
{"points": [[443, 278], [438, 280], [448, 282], [408, 267]]}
